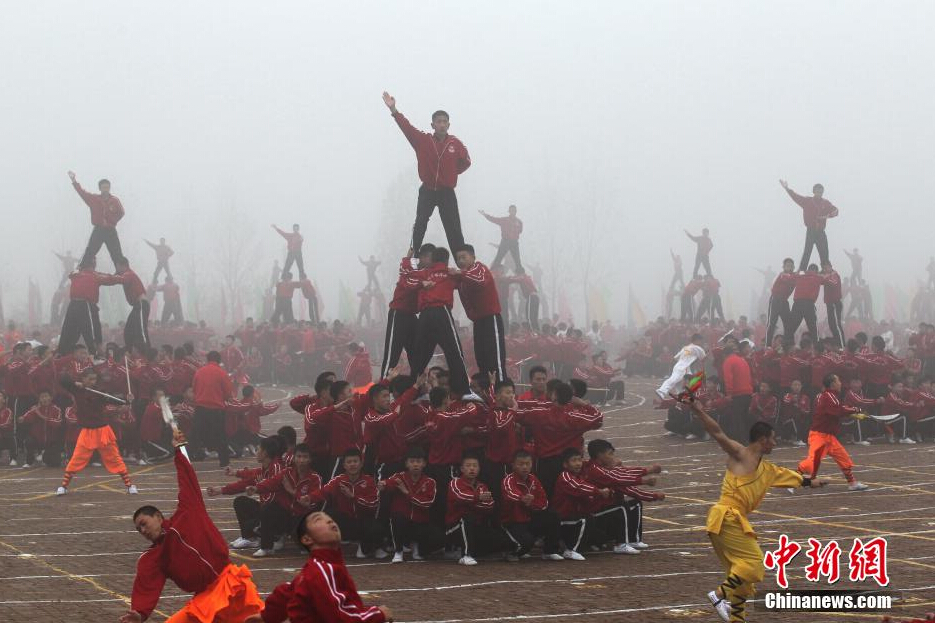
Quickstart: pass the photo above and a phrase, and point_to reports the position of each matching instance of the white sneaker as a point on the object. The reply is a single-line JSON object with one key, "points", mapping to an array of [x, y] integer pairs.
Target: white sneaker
{"points": [[95, 464], [280, 544], [798, 443], [262, 553], [511, 558], [142, 461], [862, 442], [903, 440], [721, 605], [661, 394], [624, 548], [468, 561], [415, 552], [552, 557], [398, 557], [61, 491], [39, 457], [132, 490], [27, 465], [791, 490], [471, 397], [640, 545], [690, 437], [242, 543], [571, 554], [360, 553], [12, 462], [857, 486], [890, 439], [380, 553]]}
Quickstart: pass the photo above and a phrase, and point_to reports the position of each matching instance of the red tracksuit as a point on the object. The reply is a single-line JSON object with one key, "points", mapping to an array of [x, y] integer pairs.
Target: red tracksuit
{"points": [[252, 477], [503, 435], [405, 297], [783, 286], [574, 497], [43, 422], [324, 591], [343, 425], [621, 480], [828, 413], [478, 292], [807, 286], [133, 288], [440, 162], [86, 285], [415, 504], [441, 294], [275, 487], [447, 442], [764, 407], [293, 239], [464, 501], [815, 212], [105, 211], [381, 430], [191, 552], [316, 438], [512, 508], [556, 427], [364, 503]]}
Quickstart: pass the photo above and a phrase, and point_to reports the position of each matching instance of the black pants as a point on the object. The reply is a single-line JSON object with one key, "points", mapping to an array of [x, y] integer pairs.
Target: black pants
{"points": [[404, 531], [247, 511], [363, 530], [578, 533], [442, 475], [778, 310], [283, 311], [160, 266], [81, 322], [437, 328], [834, 322], [173, 310], [702, 259], [103, 236], [716, 307], [738, 426], [622, 523], [476, 537], [136, 329], [803, 310], [532, 310], [312, 309], [447, 204], [489, 346], [688, 313], [511, 246], [544, 524], [296, 257], [548, 470], [269, 520], [814, 238], [400, 334], [209, 432]]}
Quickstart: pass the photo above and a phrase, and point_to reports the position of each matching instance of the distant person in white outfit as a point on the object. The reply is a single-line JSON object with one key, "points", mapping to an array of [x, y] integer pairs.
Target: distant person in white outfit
{"points": [[690, 356]]}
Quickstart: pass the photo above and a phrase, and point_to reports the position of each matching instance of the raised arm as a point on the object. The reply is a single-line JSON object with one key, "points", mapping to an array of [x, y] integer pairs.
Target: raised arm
{"points": [[151, 245], [731, 447], [281, 232], [693, 238]]}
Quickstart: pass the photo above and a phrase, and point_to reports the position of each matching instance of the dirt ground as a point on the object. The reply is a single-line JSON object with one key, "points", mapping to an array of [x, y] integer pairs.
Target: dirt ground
{"points": [[73, 558]]}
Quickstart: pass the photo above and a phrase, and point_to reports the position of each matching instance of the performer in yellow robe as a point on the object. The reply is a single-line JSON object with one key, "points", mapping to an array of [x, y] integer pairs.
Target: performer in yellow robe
{"points": [[746, 481]]}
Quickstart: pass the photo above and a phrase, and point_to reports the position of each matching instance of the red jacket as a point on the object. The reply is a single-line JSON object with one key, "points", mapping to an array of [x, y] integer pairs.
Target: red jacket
{"points": [[274, 488], [796, 406], [191, 552], [344, 425], [832, 287], [170, 292], [182, 376], [364, 503], [446, 440], [382, 434], [815, 212], [574, 497], [526, 285], [440, 162], [212, 386], [293, 239], [478, 292], [405, 298], [285, 289], [828, 413], [557, 427], [15, 373], [807, 285], [464, 501], [105, 211], [358, 371], [857, 399], [510, 226], [503, 435], [316, 437], [738, 380], [415, 504], [6, 420], [764, 407], [621, 480], [152, 424], [252, 477], [442, 291], [43, 422], [133, 288], [512, 507], [86, 285], [324, 591], [783, 286]]}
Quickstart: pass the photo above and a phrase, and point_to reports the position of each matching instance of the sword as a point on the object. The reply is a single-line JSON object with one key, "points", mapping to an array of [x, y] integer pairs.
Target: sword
{"points": [[169, 418], [114, 398]]}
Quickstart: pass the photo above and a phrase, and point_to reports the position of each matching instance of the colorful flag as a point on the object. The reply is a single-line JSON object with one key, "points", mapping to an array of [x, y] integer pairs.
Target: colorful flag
{"points": [[635, 316]]}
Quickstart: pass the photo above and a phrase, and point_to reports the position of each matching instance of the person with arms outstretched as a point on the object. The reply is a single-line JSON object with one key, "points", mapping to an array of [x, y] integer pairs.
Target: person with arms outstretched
{"points": [[748, 477], [293, 249], [677, 275], [703, 246], [441, 158], [510, 229], [188, 549], [857, 263], [163, 253], [106, 212], [371, 266], [816, 210]]}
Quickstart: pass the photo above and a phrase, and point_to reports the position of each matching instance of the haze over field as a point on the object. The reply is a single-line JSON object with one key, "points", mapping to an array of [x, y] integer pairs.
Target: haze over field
{"points": [[611, 125]]}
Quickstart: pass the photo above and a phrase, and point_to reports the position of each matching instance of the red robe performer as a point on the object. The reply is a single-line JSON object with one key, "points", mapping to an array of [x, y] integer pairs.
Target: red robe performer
{"points": [[188, 549]]}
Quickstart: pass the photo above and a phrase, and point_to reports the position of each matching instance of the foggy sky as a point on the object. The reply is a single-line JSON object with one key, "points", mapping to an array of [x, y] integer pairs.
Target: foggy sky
{"points": [[617, 122]]}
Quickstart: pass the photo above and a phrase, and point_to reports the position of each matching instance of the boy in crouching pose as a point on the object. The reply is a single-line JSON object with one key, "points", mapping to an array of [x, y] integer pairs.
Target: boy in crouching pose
{"points": [[525, 513]]}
